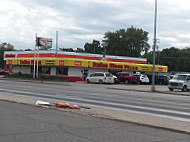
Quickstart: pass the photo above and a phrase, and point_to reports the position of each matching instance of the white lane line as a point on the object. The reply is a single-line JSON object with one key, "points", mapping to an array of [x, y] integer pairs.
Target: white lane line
{"points": [[106, 103]]}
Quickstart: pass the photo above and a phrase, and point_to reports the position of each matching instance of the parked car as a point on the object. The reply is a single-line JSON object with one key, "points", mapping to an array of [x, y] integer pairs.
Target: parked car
{"points": [[3, 72], [180, 81], [162, 80], [101, 77], [159, 79], [116, 80], [171, 76], [139, 79], [123, 77]]}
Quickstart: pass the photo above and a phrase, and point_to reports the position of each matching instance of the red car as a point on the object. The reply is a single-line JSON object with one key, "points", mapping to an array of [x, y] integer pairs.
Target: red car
{"points": [[3, 72], [123, 77]]}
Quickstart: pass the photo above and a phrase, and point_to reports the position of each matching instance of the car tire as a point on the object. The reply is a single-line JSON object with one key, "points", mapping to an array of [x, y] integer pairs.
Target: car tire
{"points": [[100, 81], [184, 89], [139, 82], [126, 81], [171, 89], [88, 81]]}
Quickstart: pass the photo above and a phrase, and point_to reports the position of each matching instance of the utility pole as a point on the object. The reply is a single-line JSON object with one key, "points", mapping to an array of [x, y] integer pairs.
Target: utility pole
{"points": [[35, 57], [154, 46], [158, 53], [37, 63], [56, 43]]}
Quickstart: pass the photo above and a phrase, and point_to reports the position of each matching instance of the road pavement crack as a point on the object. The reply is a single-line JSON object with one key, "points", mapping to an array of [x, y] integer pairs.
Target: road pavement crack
{"points": [[73, 134]]}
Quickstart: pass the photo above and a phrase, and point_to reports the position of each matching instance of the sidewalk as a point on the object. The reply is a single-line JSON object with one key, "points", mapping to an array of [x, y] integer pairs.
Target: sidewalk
{"points": [[21, 123], [111, 114], [125, 116]]}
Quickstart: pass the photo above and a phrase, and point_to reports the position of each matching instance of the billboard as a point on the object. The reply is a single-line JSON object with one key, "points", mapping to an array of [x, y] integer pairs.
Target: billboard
{"points": [[40, 41]]}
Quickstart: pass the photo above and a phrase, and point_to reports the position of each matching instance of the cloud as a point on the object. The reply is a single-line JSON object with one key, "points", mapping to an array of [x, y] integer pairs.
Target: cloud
{"points": [[81, 21]]}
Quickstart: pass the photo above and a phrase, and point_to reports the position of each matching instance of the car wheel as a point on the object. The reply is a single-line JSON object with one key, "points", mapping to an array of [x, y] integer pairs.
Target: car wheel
{"points": [[184, 89], [171, 89], [160, 83], [139, 82], [126, 81], [88, 81], [100, 81]]}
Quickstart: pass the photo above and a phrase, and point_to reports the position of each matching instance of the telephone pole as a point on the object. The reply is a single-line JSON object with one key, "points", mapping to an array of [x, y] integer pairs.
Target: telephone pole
{"points": [[154, 46]]}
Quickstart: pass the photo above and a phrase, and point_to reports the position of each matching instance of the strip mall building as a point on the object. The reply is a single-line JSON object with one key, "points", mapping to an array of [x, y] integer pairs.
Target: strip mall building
{"points": [[73, 66]]}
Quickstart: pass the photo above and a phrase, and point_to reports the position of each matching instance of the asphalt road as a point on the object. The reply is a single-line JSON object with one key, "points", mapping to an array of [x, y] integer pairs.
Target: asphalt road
{"points": [[164, 105], [26, 123]]}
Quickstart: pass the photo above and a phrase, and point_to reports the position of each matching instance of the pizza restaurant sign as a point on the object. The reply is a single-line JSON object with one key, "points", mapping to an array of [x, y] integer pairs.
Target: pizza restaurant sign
{"points": [[113, 66], [10, 55], [28, 62]]}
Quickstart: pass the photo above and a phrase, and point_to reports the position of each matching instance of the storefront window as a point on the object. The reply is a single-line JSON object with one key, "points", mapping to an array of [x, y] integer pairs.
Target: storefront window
{"points": [[42, 70], [62, 71]]}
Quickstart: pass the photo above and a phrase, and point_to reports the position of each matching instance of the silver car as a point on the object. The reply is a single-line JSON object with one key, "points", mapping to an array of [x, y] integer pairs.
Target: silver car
{"points": [[100, 77]]}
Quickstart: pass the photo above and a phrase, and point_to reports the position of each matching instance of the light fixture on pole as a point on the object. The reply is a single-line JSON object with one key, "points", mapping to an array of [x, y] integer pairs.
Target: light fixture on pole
{"points": [[154, 46]]}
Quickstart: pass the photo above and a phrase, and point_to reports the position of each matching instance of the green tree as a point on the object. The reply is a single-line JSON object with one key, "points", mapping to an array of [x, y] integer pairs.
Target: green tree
{"points": [[67, 49], [170, 58], [149, 56], [28, 49], [176, 59], [79, 50], [4, 47], [131, 42], [93, 47]]}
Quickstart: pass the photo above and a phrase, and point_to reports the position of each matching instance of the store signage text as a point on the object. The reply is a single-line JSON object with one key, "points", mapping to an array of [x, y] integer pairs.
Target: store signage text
{"points": [[160, 69], [49, 62], [61, 63], [127, 67], [99, 65], [78, 63], [114, 66], [10, 62], [9, 56], [146, 68], [24, 62]]}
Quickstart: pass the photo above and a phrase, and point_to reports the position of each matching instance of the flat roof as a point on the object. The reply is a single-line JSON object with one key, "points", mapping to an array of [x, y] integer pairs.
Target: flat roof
{"points": [[75, 53]]}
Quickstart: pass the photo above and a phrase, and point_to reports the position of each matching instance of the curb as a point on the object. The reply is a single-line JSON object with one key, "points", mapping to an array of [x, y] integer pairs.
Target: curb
{"points": [[109, 115], [162, 92], [81, 82], [36, 81]]}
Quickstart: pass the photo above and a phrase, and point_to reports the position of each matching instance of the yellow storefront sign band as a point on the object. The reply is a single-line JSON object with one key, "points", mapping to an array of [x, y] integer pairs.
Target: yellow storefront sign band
{"points": [[86, 63]]}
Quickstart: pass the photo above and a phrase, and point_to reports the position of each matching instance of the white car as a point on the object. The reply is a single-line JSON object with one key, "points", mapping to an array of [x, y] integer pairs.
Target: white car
{"points": [[140, 79], [180, 81], [144, 79], [100, 77]]}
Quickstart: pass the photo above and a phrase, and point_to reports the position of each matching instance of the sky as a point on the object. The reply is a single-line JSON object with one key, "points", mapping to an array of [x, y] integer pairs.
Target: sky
{"points": [[81, 21]]}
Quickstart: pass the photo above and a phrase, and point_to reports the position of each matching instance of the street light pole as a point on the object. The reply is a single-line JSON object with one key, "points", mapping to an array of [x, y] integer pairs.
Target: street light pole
{"points": [[154, 46], [56, 50], [34, 73]]}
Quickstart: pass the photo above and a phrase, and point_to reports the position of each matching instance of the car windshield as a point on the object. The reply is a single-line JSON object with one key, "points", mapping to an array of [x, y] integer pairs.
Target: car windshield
{"points": [[109, 75], [136, 75], [91, 75], [180, 77]]}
